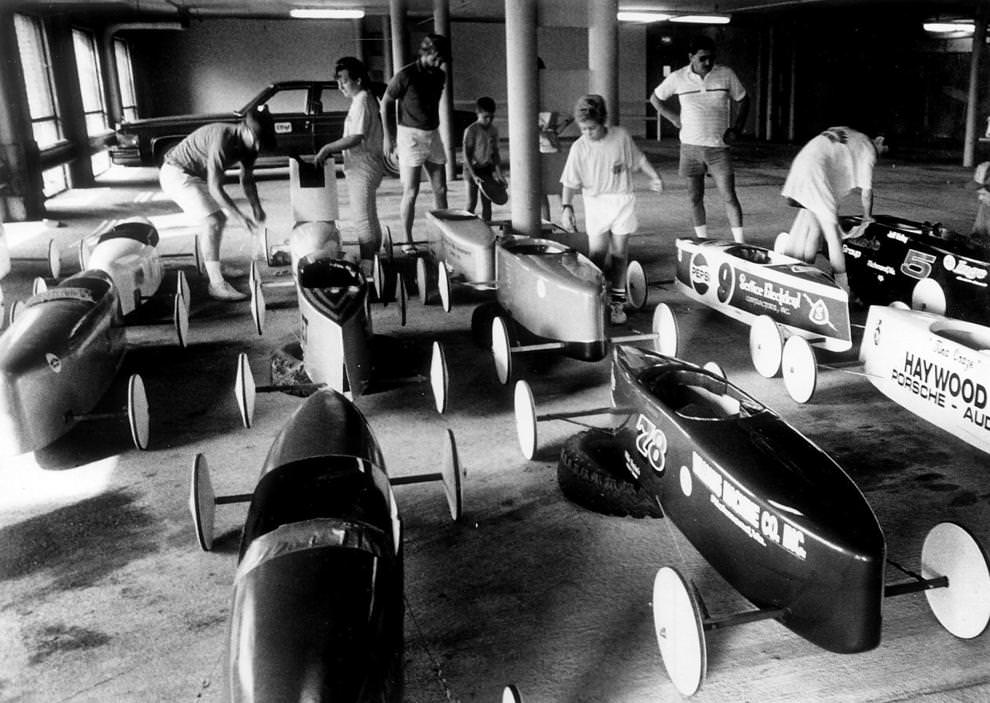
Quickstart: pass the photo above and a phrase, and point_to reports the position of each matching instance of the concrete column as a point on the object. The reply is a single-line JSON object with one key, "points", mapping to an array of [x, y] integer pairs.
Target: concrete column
{"points": [[973, 126], [388, 69], [397, 20], [22, 198], [523, 97], [603, 53], [771, 86], [70, 103], [111, 81], [441, 25]]}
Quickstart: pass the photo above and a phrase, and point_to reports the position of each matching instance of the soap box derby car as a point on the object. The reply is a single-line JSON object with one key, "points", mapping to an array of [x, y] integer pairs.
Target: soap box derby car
{"points": [[317, 609], [936, 367], [65, 344], [763, 289], [335, 333], [769, 510], [463, 249], [920, 264], [551, 296]]}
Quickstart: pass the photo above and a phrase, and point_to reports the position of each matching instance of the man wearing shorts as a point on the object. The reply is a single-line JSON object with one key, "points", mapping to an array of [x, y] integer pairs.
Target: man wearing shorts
{"points": [[706, 92], [192, 175], [411, 118], [829, 167]]}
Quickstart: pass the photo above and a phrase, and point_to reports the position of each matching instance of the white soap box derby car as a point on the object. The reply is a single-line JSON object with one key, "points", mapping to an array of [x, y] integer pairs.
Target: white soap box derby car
{"points": [[65, 344], [920, 264], [772, 293], [936, 367], [317, 609], [775, 515]]}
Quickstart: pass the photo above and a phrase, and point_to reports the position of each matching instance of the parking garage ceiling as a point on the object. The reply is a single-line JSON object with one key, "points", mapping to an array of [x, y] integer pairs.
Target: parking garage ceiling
{"points": [[471, 9]]}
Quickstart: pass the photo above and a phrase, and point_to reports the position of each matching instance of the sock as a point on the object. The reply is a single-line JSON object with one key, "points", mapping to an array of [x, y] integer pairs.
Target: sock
{"points": [[618, 295], [781, 243], [213, 272], [701, 231], [737, 234]]}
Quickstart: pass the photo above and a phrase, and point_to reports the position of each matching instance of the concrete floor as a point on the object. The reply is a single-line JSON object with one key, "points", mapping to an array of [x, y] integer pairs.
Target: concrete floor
{"points": [[104, 594]]}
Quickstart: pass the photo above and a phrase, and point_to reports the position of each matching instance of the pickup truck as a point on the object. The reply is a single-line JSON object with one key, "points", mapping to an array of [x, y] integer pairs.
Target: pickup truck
{"points": [[308, 114]]}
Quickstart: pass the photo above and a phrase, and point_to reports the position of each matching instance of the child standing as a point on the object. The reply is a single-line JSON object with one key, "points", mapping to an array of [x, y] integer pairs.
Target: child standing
{"points": [[481, 155], [600, 165]]}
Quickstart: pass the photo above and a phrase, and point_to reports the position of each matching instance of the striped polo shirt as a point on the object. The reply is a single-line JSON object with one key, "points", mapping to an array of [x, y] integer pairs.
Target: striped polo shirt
{"points": [[705, 102]]}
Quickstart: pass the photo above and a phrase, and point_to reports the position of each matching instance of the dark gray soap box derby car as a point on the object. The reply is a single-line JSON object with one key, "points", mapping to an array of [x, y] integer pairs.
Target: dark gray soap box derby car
{"points": [[317, 608], [775, 515], [534, 279], [335, 333], [920, 264], [65, 344]]}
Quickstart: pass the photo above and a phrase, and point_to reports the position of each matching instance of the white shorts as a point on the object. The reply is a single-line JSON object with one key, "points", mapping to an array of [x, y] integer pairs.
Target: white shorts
{"points": [[191, 193], [416, 147], [609, 212]]}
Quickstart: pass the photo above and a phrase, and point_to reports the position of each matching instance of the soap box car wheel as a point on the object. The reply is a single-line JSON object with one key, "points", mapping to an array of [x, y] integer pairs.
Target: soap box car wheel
{"points": [[591, 473], [481, 324]]}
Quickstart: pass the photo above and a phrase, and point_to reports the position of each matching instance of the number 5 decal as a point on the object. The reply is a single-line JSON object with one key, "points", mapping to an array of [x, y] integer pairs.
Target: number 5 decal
{"points": [[917, 264]]}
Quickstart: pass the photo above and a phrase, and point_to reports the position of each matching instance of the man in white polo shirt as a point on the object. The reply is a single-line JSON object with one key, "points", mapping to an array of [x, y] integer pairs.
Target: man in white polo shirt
{"points": [[706, 92]]}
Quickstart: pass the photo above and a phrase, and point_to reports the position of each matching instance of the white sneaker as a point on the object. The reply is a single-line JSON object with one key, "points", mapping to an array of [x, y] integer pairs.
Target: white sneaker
{"points": [[616, 314], [225, 291]]}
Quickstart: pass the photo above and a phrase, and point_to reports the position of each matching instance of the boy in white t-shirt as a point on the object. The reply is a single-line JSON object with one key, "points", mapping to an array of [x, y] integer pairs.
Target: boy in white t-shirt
{"points": [[599, 166]]}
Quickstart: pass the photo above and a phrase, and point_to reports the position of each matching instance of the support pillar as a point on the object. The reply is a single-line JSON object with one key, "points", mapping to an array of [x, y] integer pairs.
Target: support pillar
{"points": [[397, 23], [388, 66], [21, 196], [441, 25], [523, 98], [973, 126], [70, 103], [603, 53]]}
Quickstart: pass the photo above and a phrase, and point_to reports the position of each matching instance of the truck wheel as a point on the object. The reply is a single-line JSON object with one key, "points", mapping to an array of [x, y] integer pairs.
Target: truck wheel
{"points": [[591, 473]]}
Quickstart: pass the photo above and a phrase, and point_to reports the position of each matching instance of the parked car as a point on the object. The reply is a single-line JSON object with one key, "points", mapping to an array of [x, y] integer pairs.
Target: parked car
{"points": [[308, 114]]}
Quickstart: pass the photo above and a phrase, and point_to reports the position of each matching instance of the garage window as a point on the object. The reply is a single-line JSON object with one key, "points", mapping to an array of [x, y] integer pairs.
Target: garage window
{"points": [[125, 76], [91, 89], [37, 67]]}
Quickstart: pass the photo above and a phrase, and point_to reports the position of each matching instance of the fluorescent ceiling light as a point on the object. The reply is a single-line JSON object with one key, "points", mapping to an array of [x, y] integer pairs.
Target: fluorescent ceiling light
{"points": [[701, 19], [325, 14], [965, 26], [638, 16]]}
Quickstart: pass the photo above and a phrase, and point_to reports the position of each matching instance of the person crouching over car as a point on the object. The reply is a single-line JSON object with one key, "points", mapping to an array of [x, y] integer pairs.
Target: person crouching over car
{"points": [[192, 175], [828, 168]]}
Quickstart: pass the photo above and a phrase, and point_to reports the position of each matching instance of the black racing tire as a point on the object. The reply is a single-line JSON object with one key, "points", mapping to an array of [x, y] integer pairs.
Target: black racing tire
{"points": [[591, 473]]}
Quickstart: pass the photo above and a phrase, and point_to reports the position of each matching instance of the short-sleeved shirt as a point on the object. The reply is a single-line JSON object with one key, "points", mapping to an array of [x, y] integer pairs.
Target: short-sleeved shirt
{"points": [[219, 143], [481, 144], [363, 118], [828, 167], [602, 166], [417, 90], [706, 103]]}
